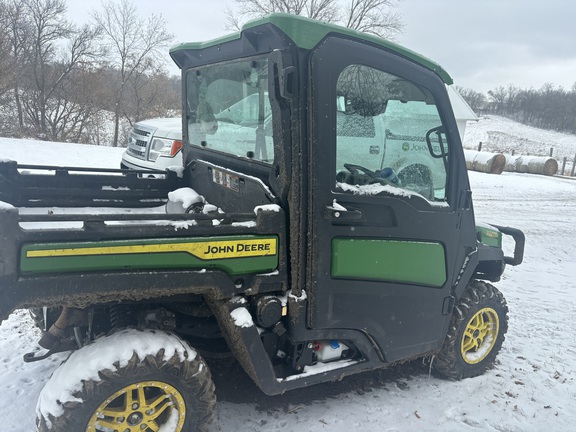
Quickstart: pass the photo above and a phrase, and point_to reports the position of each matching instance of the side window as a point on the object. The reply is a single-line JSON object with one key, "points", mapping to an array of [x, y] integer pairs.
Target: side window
{"points": [[389, 136]]}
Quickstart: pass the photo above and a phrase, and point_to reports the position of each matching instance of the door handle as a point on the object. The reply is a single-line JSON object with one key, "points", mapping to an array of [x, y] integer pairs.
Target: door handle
{"points": [[339, 214]]}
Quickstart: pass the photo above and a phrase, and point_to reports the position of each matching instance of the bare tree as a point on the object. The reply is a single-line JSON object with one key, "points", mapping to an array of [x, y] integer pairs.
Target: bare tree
{"points": [[152, 95], [374, 16], [16, 30], [47, 27], [5, 60], [498, 96], [134, 46], [6, 65], [53, 51], [370, 16], [476, 100]]}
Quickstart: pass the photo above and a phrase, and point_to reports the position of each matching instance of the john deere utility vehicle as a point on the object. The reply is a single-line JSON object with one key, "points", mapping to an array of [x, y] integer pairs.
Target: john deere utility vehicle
{"points": [[322, 225]]}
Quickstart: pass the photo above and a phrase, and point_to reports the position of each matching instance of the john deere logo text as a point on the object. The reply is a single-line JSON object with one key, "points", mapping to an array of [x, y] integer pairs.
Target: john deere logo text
{"points": [[262, 246], [206, 250], [234, 249]]}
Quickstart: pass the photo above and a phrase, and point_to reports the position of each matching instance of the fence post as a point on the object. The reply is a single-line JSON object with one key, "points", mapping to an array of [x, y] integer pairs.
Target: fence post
{"points": [[480, 146], [573, 166], [563, 164], [551, 151], [513, 152]]}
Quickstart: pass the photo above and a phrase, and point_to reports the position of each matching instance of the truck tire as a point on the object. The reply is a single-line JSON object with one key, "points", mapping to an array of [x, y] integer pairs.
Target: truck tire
{"points": [[477, 328], [175, 394]]}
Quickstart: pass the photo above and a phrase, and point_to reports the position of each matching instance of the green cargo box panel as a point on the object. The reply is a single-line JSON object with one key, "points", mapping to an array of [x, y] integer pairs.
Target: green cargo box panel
{"points": [[234, 255]]}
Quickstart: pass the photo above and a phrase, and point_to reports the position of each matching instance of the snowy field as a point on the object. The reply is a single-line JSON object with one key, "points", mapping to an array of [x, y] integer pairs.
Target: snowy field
{"points": [[532, 388]]}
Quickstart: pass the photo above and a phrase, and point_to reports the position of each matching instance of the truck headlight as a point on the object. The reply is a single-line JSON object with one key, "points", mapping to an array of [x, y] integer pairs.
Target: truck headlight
{"points": [[163, 147]]}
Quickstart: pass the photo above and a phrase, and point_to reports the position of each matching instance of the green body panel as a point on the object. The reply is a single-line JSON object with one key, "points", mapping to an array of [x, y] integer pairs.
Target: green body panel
{"points": [[306, 33], [489, 236], [389, 260], [234, 255]]}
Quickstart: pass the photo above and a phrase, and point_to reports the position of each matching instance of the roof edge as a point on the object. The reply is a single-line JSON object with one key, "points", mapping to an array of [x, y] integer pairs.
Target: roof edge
{"points": [[306, 33]]}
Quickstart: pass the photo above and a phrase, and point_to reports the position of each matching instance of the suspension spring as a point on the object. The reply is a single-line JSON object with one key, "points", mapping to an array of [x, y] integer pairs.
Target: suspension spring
{"points": [[122, 316]]}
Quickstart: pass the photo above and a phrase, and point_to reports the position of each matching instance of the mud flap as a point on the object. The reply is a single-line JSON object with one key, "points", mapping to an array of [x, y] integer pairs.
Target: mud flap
{"points": [[244, 341]]}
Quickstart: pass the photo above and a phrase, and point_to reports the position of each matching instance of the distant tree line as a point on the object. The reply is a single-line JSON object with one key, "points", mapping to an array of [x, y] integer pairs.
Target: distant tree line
{"points": [[547, 108], [85, 84]]}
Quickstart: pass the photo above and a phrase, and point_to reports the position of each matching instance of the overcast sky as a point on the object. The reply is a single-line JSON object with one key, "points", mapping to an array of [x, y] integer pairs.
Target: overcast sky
{"points": [[483, 44]]}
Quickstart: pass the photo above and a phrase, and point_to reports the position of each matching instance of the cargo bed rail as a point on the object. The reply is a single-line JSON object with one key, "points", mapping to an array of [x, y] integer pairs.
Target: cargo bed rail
{"points": [[52, 186]]}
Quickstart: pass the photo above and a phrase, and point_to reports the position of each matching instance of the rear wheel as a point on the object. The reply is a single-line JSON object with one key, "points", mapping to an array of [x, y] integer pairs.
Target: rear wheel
{"points": [[164, 385], [476, 333]]}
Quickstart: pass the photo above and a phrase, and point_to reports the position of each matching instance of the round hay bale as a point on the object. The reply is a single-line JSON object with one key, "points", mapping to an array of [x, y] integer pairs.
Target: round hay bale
{"points": [[543, 165], [511, 162], [537, 165], [498, 164], [491, 163], [522, 163], [469, 156]]}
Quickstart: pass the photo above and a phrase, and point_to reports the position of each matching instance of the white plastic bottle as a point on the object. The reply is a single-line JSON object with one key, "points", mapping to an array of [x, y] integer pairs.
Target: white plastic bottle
{"points": [[328, 350]]}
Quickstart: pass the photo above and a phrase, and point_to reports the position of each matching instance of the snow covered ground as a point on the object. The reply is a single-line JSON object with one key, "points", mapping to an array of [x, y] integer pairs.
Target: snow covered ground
{"points": [[532, 388], [62, 154]]}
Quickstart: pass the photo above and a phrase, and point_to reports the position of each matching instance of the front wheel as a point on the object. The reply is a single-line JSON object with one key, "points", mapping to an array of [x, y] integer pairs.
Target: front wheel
{"points": [[143, 381], [476, 334]]}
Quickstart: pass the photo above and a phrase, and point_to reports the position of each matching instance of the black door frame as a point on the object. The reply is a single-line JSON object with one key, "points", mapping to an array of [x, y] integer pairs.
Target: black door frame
{"points": [[402, 319]]}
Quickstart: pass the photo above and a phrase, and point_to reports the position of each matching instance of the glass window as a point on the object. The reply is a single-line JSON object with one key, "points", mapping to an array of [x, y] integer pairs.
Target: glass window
{"points": [[389, 136], [229, 109]]}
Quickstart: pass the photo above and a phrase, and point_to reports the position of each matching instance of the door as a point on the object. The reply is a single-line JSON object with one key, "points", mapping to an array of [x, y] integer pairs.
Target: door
{"points": [[386, 179]]}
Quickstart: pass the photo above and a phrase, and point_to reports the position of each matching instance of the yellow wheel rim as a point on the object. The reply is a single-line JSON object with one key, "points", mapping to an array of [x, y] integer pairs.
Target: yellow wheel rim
{"points": [[480, 335], [140, 407]]}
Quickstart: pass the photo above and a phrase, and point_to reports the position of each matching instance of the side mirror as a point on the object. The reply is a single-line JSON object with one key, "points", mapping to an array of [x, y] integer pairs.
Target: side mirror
{"points": [[437, 143]]}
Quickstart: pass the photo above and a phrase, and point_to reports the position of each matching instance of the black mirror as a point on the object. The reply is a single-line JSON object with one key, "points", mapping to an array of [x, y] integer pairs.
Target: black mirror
{"points": [[437, 143]]}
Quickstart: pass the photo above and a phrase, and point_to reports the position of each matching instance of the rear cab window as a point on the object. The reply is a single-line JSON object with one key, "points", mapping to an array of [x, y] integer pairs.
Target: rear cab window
{"points": [[228, 109]]}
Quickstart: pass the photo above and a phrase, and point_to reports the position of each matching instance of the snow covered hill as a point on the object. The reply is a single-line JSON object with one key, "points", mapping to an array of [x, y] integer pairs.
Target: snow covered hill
{"points": [[499, 134], [532, 388]]}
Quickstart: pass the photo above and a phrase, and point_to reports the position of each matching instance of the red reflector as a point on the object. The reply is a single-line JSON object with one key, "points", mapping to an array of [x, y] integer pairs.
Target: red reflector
{"points": [[176, 147]]}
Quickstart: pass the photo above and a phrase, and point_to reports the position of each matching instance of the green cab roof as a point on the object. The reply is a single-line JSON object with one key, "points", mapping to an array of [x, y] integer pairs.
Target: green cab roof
{"points": [[306, 33]]}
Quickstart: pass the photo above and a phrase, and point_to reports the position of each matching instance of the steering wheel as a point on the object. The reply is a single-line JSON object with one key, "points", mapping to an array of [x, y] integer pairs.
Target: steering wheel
{"points": [[355, 169], [371, 176]]}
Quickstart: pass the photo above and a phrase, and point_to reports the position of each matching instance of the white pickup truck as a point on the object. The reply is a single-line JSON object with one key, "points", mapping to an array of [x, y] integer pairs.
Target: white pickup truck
{"points": [[154, 144]]}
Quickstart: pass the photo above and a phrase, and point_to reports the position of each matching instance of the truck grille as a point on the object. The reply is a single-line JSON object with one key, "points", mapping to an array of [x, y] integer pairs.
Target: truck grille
{"points": [[141, 132], [138, 141]]}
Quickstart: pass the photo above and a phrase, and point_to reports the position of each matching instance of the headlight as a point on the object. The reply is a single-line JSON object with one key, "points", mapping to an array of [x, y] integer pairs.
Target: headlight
{"points": [[163, 147]]}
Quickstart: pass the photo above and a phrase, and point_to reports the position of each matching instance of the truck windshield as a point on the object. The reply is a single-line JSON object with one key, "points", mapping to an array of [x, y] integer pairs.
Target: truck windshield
{"points": [[229, 110]]}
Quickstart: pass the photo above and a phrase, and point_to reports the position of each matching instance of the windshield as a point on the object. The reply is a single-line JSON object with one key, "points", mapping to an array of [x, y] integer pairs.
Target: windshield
{"points": [[229, 110]]}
